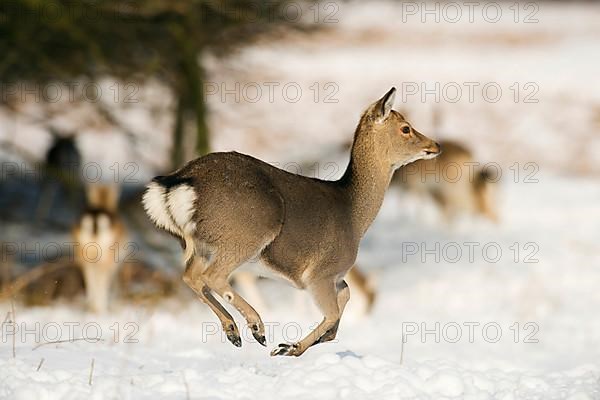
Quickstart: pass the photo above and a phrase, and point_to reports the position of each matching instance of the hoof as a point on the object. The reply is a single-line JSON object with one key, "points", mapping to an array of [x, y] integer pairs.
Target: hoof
{"points": [[285, 349], [260, 339], [258, 332], [234, 339], [233, 336]]}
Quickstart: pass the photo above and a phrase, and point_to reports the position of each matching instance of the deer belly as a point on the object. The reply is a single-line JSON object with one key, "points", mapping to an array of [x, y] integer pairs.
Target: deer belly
{"points": [[259, 269]]}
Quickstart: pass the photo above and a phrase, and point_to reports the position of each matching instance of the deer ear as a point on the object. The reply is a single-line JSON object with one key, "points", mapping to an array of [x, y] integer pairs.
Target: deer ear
{"points": [[385, 104]]}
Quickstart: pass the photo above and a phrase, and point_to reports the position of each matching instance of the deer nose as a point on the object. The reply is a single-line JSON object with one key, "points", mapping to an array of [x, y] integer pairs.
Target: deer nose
{"points": [[434, 149]]}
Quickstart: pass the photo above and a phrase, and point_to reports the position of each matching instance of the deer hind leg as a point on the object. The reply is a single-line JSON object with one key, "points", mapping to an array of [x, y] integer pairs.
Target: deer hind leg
{"points": [[193, 278], [217, 279], [329, 300]]}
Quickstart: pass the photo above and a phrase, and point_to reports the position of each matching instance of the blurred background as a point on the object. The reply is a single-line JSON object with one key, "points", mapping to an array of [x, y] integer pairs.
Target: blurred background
{"points": [[97, 97]]}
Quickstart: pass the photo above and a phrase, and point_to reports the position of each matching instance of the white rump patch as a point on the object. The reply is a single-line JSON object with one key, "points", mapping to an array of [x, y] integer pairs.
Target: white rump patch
{"points": [[181, 202], [155, 204], [173, 210]]}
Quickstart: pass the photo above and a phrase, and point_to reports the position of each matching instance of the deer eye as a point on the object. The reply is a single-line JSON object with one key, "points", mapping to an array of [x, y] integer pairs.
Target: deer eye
{"points": [[406, 130]]}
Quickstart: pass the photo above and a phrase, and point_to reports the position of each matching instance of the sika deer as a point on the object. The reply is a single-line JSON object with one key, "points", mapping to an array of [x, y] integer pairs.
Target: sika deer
{"points": [[100, 237], [228, 207], [452, 182]]}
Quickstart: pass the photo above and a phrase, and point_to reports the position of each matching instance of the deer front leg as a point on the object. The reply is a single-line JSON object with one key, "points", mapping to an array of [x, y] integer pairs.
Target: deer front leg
{"points": [[203, 292], [326, 298], [343, 295]]}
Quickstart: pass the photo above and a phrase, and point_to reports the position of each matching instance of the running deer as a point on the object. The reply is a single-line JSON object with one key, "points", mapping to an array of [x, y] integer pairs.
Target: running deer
{"points": [[100, 237], [453, 182], [228, 207]]}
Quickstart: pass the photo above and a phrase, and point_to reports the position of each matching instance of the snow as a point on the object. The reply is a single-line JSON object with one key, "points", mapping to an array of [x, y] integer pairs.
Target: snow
{"points": [[443, 326], [179, 343]]}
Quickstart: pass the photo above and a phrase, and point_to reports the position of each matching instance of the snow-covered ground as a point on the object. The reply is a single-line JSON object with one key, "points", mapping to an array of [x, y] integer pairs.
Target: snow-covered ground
{"points": [[475, 326], [475, 310]]}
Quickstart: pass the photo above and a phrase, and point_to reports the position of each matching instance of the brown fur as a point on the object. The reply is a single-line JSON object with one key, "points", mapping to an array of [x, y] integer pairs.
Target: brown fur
{"points": [[453, 181], [305, 230]]}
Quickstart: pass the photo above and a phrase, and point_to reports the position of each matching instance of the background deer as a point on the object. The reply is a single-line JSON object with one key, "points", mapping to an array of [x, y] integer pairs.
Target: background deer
{"points": [[99, 235], [228, 207], [453, 182]]}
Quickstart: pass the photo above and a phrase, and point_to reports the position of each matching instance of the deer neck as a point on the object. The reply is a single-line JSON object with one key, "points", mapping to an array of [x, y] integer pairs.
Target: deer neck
{"points": [[365, 182]]}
